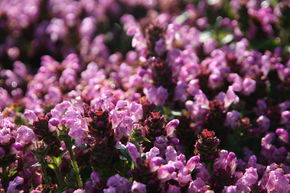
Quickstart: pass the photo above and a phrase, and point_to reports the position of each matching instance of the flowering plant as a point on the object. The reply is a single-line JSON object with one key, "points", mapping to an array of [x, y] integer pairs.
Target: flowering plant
{"points": [[138, 96]]}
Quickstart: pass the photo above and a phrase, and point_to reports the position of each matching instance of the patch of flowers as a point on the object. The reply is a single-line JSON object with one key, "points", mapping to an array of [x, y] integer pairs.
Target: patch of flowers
{"points": [[141, 96]]}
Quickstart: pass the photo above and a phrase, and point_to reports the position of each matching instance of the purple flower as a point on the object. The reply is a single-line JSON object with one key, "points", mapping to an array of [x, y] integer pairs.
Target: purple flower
{"points": [[192, 163], [283, 135], [154, 151], [30, 116], [277, 182], [171, 126], [155, 163], [25, 135], [79, 191], [164, 172], [215, 80], [95, 177], [230, 189], [201, 99], [263, 122], [161, 143], [138, 187], [249, 178], [66, 114], [232, 118], [180, 92], [57, 29], [12, 187], [134, 154], [160, 47], [230, 97], [197, 185], [5, 135], [173, 189], [249, 86], [110, 190], [157, 96], [170, 153], [120, 184], [226, 161]]}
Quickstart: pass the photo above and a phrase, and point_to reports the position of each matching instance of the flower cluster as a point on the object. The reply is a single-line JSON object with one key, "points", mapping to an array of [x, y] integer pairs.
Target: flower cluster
{"points": [[141, 96]]}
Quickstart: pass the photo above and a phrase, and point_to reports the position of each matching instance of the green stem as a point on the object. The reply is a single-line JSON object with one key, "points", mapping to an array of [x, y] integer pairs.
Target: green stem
{"points": [[4, 177], [57, 172], [43, 165], [74, 162]]}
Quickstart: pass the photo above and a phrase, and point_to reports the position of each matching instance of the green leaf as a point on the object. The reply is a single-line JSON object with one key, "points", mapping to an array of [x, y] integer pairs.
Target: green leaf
{"points": [[51, 165], [37, 164], [124, 154], [57, 160], [12, 172]]}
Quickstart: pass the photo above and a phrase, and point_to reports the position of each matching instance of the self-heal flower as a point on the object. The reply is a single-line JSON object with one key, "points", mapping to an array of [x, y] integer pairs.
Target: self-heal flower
{"points": [[197, 185], [164, 172], [249, 178], [138, 187], [232, 118], [263, 122], [207, 145], [5, 135], [120, 183], [155, 163], [110, 190], [134, 154], [249, 86], [30, 115], [79, 191], [173, 189], [171, 126], [170, 153], [70, 116], [192, 163], [25, 135], [277, 182], [283, 135], [12, 187], [230, 189], [230, 97], [157, 96]]}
